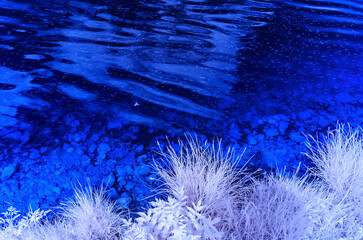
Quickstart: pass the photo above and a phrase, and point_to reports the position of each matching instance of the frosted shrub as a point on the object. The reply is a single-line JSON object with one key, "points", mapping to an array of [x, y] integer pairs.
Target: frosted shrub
{"points": [[207, 198], [90, 216], [15, 228], [208, 177], [339, 166], [174, 220], [279, 208], [339, 161]]}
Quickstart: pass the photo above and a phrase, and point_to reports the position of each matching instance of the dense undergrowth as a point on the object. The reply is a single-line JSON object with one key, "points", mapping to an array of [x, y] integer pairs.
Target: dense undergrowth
{"points": [[208, 197]]}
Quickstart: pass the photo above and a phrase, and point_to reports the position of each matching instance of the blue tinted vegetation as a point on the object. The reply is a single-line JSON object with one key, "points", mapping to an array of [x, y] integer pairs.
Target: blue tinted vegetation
{"points": [[88, 88]]}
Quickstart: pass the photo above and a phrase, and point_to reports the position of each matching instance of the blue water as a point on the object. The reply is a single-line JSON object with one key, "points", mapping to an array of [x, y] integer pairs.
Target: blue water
{"points": [[87, 88]]}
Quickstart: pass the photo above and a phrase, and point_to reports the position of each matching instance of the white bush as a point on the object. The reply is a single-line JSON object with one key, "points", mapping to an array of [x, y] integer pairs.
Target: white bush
{"points": [[207, 198]]}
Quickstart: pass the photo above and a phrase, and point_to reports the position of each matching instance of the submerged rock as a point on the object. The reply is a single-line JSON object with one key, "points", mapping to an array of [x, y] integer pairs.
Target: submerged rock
{"points": [[8, 171]]}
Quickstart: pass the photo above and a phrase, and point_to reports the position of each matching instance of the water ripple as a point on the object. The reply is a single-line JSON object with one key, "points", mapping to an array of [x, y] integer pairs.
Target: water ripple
{"points": [[174, 54], [331, 21]]}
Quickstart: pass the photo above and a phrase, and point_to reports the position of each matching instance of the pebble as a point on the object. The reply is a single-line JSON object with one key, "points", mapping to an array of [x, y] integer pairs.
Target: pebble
{"points": [[306, 114], [345, 98], [127, 176], [141, 158], [77, 137], [8, 171], [85, 160], [112, 193], [297, 137], [234, 131], [142, 170], [34, 154], [43, 149], [103, 148], [75, 124], [139, 149], [92, 148], [271, 132], [70, 150], [282, 127], [253, 140], [101, 156]]}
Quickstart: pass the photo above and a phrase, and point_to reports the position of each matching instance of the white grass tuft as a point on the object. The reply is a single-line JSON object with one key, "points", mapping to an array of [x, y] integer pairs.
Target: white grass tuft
{"points": [[89, 216], [208, 177], [339, 165], [208, 198], [339, 160], [279, 207]]}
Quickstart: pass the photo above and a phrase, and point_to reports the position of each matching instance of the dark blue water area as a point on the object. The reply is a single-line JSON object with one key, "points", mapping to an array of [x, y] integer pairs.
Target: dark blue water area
{"points": [[88, 88]]}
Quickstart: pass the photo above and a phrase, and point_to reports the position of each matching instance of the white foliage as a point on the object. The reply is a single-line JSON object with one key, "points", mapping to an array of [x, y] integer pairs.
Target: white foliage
{"points": [[208, 200], [173, 219], [12, 228], [208, 176]]}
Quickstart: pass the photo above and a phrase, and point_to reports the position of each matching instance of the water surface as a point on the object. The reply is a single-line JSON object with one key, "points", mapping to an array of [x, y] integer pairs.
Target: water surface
{"points": [[75, 75]]}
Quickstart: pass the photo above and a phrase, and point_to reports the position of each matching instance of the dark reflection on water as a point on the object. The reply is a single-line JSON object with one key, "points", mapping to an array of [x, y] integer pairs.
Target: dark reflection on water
{"points": [[309, 52], [142, 57], [163, 63]]}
